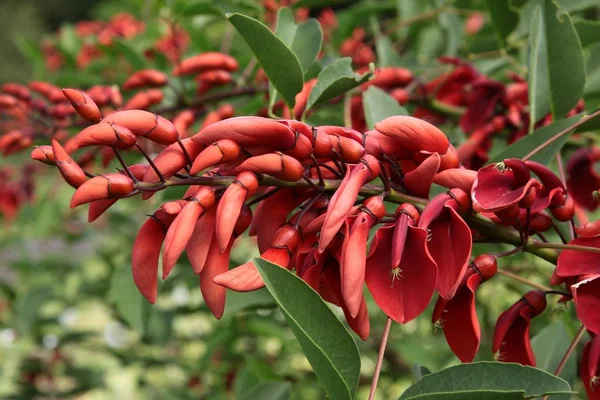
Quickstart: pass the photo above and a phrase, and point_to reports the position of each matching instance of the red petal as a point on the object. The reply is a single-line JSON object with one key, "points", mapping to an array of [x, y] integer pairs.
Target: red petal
{"points": [[179, 234], [216, 263], [576, 262], [406, 295], [516, 346], [198, 246], [418, 181], [352, 263], [587, 302], [460, 322], [589, 368], [144, 258]]}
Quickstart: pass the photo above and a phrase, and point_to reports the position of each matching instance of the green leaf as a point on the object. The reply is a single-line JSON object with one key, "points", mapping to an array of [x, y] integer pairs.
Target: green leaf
{"points": [[326, 342], [556, 63], [304, 39], [126, 49], [335, 80], [452, 26], [486, 380], [379, 105], [549, 347], [523, 146], [130, 304], [279, 62], [387, 56], [588, 31], [268, 390], [576, 5], [504, 18], [419, 371]]}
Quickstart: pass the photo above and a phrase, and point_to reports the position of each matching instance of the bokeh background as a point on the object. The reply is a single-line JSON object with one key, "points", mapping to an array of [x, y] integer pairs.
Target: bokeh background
{"points": [[72, 323]]}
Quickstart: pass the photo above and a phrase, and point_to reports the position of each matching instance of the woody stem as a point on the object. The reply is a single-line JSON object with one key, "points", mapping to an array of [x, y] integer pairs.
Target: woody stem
{"points": [[483, 225], [570, 350], [524, 281], [562, 246], [561, 134], [384, 339]]}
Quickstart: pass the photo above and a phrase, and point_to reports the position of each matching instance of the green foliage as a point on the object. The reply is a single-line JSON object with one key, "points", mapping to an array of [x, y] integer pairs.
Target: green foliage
{"points": [[279, 62], [489, 380], [326, 343], [380, 105], [556, 64], [334, 80]]}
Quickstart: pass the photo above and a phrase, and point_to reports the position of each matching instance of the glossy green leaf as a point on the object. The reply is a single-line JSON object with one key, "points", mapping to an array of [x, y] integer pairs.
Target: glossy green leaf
{"points": [[130, 304], [576, 5], [279, 62], [504, 18], [530, 142], [379, 105], [486, 380], [304, 39], [453, 27], [549, 346], [325, 341], [335, 80], [556, 63]]}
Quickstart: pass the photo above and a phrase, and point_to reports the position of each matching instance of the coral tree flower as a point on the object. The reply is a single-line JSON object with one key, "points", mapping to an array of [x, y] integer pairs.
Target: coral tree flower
{"points": [[500, 187], [586, 294], [449, 238], [582, 179], [354, 250], [511, 337], [458, 316], [400, 273], [589, 368]]}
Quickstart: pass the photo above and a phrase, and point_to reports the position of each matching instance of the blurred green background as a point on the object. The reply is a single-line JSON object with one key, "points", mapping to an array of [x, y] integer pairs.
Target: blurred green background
{"points": [[73, 325]]}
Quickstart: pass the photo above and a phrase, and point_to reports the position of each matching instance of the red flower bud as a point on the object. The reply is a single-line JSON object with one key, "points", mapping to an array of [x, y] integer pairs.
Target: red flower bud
{"points": [[146, 124], [278, 165], [246, 277], [71, 172], [217, 263], [230, 206], [103, 134], [221, 151], [43, 154], [83, 104], [204, 62], [145, 78], [343, 199], [102, 187], [144, 100]]}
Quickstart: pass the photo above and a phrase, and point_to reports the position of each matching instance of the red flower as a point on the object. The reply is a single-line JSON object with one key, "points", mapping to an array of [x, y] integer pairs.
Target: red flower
{"points": [[511, 337], [582, 178], [586, 294], [481, 103], [590, 368], [344, 197], [458, 316], [501, 188], [575, 262], [354, 250], [449, 238], [401, 274]]}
